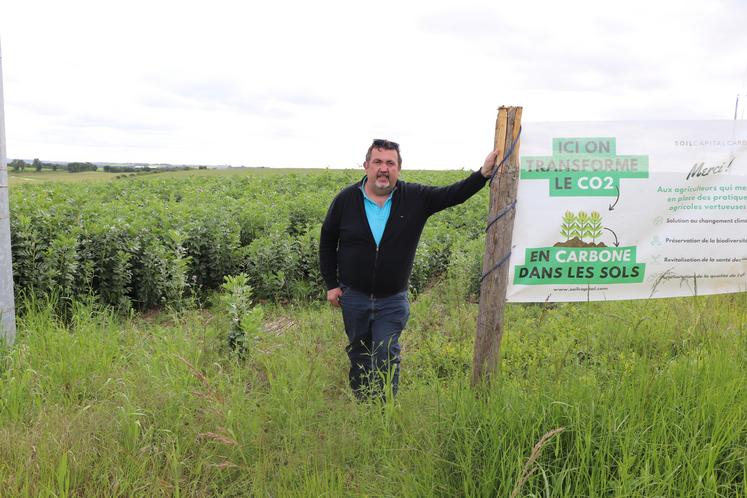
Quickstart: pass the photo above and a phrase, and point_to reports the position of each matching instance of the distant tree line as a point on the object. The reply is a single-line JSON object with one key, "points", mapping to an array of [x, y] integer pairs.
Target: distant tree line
{"points": [[18, 165], [75, 167], [37, 165]]}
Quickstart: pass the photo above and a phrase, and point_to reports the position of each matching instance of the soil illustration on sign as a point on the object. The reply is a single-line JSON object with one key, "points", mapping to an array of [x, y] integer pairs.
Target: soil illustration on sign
{"points": [[581, 230]]}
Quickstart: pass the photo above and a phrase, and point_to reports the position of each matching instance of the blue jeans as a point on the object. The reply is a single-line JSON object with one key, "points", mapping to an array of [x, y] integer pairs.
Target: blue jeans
{"points": [[373, 326]]}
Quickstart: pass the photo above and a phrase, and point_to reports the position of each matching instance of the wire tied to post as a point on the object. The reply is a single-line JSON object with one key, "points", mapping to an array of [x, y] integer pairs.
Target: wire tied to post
{"points": [[505, 210], [500, 215], [499, 263]]}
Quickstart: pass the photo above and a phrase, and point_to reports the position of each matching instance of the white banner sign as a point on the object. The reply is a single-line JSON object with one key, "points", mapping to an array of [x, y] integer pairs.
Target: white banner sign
{"points": [[630, 210]]}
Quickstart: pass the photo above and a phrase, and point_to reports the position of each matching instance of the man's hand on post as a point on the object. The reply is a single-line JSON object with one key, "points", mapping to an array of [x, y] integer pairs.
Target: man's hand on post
{"points": [[333, 296], [487, 167]]}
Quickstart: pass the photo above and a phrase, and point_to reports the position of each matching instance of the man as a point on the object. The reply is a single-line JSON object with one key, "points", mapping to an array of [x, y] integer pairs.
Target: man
{"points": [[366, 252]]}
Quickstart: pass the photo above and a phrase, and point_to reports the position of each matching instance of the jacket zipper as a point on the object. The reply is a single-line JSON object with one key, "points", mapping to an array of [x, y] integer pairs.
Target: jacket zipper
{"points": [[373, 277]]}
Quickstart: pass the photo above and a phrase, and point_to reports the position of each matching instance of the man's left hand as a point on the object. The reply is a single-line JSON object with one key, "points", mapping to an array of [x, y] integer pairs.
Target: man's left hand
{"points": [[333, 296], [489, 165]]}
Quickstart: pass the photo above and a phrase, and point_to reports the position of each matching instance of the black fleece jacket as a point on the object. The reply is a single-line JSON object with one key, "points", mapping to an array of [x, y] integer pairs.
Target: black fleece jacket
{"points": [[348, 252]]}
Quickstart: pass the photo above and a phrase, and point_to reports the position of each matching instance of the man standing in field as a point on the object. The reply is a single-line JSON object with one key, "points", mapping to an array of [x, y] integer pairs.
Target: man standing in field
{"points": [[366, 252]]}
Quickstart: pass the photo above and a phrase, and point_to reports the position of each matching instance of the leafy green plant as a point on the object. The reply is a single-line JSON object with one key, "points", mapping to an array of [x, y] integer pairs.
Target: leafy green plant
{"points": [[115, 240], [246, 319], [432, 258]]}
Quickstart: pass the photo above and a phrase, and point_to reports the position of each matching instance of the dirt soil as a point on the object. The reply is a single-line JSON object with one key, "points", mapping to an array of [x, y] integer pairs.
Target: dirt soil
{"points": [[576, 242]]}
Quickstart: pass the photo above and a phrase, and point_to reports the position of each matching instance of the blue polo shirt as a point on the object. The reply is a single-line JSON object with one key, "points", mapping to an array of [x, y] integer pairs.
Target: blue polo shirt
{"points": [[376, 215]]}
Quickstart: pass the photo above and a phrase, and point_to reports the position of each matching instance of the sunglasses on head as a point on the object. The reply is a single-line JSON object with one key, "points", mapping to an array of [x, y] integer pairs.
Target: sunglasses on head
{"points": [[385, 144]]}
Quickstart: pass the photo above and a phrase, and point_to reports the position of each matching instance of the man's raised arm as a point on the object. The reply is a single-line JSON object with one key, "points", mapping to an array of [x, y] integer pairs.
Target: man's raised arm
{"points": [[456, 193]]}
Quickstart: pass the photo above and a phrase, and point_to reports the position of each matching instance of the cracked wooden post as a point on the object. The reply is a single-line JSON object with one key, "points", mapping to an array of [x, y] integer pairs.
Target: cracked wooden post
{"points": [[497, 247], [7, 305]]}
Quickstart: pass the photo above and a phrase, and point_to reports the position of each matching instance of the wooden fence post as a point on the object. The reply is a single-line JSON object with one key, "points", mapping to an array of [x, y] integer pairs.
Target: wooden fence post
{"points": [[497, 246]]}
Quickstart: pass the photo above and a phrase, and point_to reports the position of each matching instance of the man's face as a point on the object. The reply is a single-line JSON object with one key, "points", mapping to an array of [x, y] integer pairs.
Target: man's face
{"points": [[382, 171]]}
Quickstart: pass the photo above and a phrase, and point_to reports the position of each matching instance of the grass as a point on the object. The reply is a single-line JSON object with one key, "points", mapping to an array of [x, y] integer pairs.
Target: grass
{"points": [[651, 396]]}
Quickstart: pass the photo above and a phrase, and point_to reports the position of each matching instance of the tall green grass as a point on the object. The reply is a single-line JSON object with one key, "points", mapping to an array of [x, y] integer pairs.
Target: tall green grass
{"points": [[650, 396]]}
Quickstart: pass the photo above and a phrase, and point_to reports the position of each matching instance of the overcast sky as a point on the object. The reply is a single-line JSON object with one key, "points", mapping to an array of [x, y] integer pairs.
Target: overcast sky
{"points": [[309, 84]]}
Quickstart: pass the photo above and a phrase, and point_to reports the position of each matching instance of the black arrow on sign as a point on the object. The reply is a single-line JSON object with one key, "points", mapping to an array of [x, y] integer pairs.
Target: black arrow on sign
{"points": [[613, 233], [612, 206]]}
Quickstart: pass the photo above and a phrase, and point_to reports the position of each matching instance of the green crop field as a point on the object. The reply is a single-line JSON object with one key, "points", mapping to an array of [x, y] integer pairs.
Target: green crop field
{"points": [[46, 175], [30, 177], [122, 383]]}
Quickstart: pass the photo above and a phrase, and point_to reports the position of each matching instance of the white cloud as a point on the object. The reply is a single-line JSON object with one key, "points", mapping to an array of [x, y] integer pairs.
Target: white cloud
{"points": [[311, 83]]}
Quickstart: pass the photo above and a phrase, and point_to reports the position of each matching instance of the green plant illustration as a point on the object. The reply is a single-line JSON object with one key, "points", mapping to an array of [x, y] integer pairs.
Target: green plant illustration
{"points": [[595, 226], [568, 225], [575, 232], [580, 228], [582, 220]]}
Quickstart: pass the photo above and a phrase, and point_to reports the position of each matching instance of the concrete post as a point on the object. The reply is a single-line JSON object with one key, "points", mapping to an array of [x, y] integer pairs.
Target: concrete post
{"points": [[7, 301]]}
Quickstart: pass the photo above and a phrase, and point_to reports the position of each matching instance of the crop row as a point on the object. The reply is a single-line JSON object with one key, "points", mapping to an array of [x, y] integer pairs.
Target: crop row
{"points": [[147, 243]]}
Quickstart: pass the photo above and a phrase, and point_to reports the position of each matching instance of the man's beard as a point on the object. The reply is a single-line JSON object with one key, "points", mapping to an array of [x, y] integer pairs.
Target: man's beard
{"points": [[384, 187]]}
